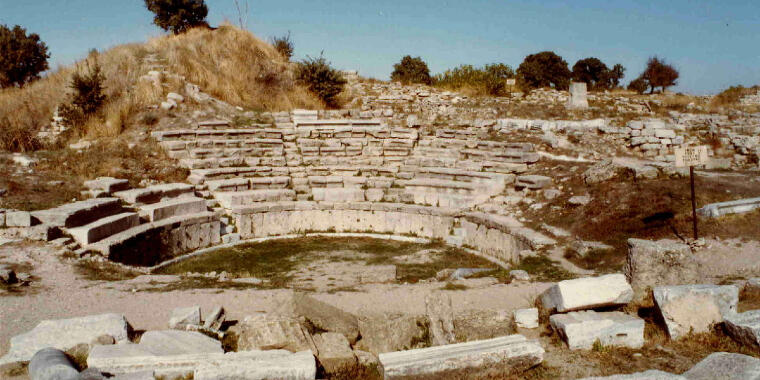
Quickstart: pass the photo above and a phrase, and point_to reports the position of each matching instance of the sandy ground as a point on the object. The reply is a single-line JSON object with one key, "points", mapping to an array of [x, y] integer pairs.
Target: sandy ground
{"points": [[59, 292]]}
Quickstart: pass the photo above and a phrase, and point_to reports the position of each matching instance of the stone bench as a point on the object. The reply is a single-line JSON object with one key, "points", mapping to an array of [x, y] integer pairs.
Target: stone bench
{"points": [[515, 156], [79, 213], [230, 199], [173, 207], [153, 194], [195, 134], [199, 176], [103, 228]]}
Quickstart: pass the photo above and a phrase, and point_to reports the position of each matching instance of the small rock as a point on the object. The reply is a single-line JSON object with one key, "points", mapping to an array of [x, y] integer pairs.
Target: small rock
{"points": [[183, 317], [519, 275]]}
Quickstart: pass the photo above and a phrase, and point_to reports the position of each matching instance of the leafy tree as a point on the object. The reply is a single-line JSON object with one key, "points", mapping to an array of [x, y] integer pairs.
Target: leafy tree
{"points": [[616, 74], [284, 46], [496, 78], [87, 94], [659, 74], [321, 79], [544, 69], [488, 80], [597, 75], [22, 56], [178, 16], [639, 85], [411, 70]]}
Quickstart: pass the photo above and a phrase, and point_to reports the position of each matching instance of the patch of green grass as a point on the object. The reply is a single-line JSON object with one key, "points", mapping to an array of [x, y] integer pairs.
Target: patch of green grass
{"points": [[454, 287], [599, 260], [541, 268], [104, 271]]}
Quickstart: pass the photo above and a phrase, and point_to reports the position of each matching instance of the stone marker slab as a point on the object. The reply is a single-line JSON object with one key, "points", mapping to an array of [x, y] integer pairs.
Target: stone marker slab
{"points": [[696, 308], [581, 329], [587, 293], [725, 366], [64, 334], [441, 315], [173, 207], [510, 354]]}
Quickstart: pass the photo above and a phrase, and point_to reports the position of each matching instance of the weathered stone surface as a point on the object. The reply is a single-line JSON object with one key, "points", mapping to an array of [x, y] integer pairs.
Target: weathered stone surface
{"points": [[334, 352], [107, 184], [103, 228], [19, 219], [519, 275], [327, 317], [173, 342], [725, 366], [533, 182], [744, 327], [694, 308], [215, 319], [716, 210], [587, 293], [581, 329], [578, 96], [64, 334], [507, 355], [173, 207], [647, 375], [526, 318], [79, 213], [185, 316], [268, 332], [259, 365], [392, 332], [472, 325], [52, 364], [441, 316], [659, 263]]}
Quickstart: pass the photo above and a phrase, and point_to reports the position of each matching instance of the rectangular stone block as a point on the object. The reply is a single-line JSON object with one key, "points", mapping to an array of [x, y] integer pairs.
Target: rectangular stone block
{"points": [[694, 308], [173, 207], [582, 329], [103, 228], [588, 293]]}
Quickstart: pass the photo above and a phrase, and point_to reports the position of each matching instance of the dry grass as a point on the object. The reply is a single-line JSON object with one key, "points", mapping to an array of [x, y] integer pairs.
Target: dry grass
{"points": [[229, 63]]}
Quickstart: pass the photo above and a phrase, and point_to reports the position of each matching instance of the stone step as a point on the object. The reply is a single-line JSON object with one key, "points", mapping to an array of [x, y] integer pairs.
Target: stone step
{"points": [[79, 213], [581, 330], [155, 193], [173, 207], [198, 176], [259, 131], [107, 184], [103, 228], [231, 199], [511, 354]]}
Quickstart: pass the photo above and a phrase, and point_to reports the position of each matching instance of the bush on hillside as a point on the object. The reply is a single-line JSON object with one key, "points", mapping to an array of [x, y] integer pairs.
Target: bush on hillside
{"points": [[87, 96], [545, 69], [17, 138], [733, 95], [284, 46], [22, 56], [639, 85], [597, 75], [411, 70], [177, 16], [488, 80], [321, 79], [659, 74]]}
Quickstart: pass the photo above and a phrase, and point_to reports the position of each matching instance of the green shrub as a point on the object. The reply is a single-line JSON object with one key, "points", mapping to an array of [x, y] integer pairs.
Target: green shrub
{"points": [[658, 74], [321, 79], [488, 80], [22, 56], [87, 95], [639, 85], [17, 138], [545, 69], [284, 46], [411, 70], [178, 16]]}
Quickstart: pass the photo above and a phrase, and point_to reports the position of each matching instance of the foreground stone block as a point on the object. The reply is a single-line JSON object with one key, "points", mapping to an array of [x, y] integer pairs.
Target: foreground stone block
{"points": [[694, 308], [744, 327], [507, 355], [103, 228], [64, 334], [391, 332], [334, 352], [79, 213], [582, 328], [441, 316], [173, 342], [471, 325], [52, 364], [526, 318], [659, 263], [647, 375], [268, 332], [185, 316], [725, 366], [327, 317], [173, 207], [587, 293], [259, 365]]}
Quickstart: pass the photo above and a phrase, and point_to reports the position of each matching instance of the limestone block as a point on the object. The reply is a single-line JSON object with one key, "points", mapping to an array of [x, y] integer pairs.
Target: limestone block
{"points": [[587, 293], [508, 355], [269, 332], [185, 316], [79, 213], [526, 318], [107, 184], [725, 365], [338, 194], [472, 325], [174, 342], [64, 334], [259, 365], [173, 207], [441, 315], [533, 182], [215, 319], [744, 327], [582, 328], [665, 133], [19, 219], [391, 332], [103, 228], [327, 317], [52, 364], [578, 96], [647, 375], [334, 352], [659, 263], [696, 308]]}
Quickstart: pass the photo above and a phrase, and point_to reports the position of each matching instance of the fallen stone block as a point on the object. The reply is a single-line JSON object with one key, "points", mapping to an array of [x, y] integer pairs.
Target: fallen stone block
{"points": [[716, 210], [725, 366], [441, 315], [392, 332], [259, 365], [587, 293], [508, 355], [659, 263], [269, 332], [526, 318], [694, 308], [174, 342], [52, 364], [334, 353], [215, 320], [744, 327], [64, 334], [185, 316], [581, 329], [647, 375], [327, 317]]}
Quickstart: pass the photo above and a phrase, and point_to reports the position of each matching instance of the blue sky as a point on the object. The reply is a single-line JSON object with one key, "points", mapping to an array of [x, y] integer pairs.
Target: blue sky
{"points": [[714, 43]]}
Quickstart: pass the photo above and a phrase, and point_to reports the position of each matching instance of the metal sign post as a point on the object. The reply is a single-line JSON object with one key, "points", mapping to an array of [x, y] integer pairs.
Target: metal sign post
{"points": [[692, 156]]}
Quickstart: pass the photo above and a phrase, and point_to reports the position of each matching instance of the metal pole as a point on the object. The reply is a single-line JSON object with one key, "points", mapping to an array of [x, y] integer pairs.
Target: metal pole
{"points": [[693, 203]]}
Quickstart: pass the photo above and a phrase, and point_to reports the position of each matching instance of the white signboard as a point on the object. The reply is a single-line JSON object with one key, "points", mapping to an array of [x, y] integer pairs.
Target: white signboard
{"points": [[511, 82], [691, 156]]}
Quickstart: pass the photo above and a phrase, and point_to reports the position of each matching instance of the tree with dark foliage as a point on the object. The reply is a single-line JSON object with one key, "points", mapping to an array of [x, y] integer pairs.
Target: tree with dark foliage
{"points": [[22, 56], [178, 16], [545, 69], [411, 70], [321, 79], [659, 74]]}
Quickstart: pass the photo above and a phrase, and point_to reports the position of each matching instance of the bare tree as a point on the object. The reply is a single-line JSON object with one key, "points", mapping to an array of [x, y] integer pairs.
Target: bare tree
{"points": [[242, 9]]}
